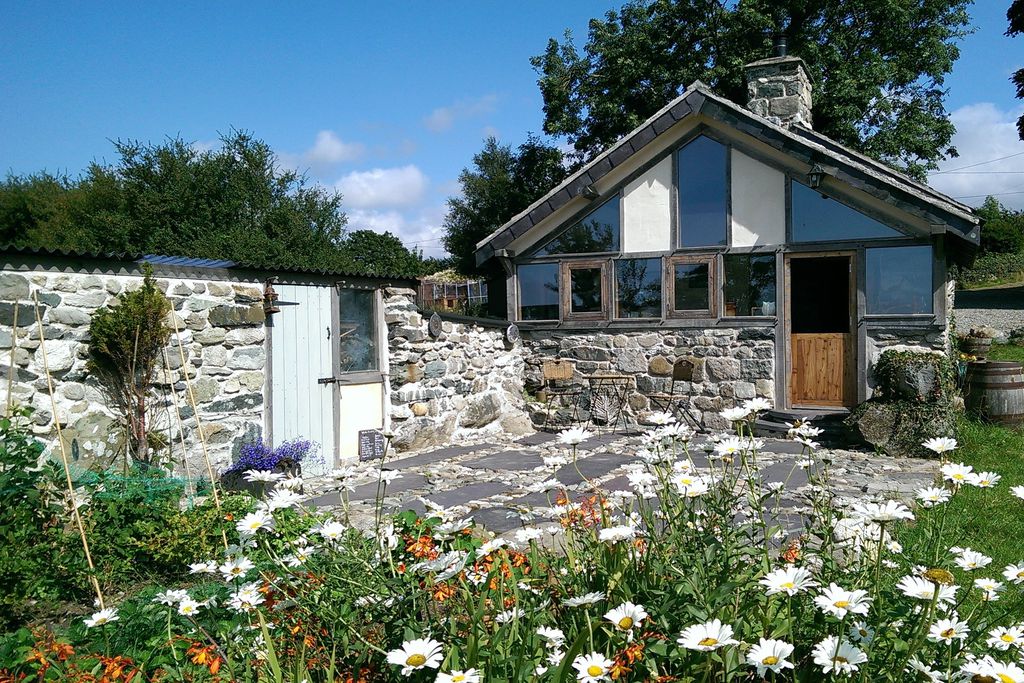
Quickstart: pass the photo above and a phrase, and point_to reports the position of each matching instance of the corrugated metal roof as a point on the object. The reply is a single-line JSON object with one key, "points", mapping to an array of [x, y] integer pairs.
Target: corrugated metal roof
{"points": [[199, 263]]}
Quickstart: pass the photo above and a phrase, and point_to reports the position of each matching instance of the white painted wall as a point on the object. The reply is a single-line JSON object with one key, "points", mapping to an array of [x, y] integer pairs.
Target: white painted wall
{"points": [[646, 212], [300, 354], [758, 202], [362, 407]]}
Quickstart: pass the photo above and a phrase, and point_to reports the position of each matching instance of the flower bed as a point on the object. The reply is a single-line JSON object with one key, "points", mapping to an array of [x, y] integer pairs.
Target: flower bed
{"points": [[686, 579]]}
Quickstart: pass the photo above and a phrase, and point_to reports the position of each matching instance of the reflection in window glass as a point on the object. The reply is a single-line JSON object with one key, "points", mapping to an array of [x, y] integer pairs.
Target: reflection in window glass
{"points": [[595, 233], [639, 288], [749, 284], [702, 193], [691, 290], [538, 291], [358, 334], [822, 219], [585, 290], [899, 280]]}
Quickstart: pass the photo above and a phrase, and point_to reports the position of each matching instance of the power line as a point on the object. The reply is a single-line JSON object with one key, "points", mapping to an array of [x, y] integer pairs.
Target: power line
{"points": [[980, 163], [982, 172], [989, 194]]}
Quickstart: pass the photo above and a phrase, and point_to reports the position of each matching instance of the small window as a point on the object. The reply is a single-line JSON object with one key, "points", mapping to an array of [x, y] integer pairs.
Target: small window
{"points": [[595, 233], [703, 193], [899, 280], [585, 291], [638, 288], [538, 291], [691, 293], [818, 218], [358, 334], [749, 284]]}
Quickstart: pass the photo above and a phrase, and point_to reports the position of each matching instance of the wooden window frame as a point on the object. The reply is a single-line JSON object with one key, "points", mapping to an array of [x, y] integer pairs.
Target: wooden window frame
{"points": [[724, 279], [566, 288], [518, 296], [669, 285], [615, 287]]}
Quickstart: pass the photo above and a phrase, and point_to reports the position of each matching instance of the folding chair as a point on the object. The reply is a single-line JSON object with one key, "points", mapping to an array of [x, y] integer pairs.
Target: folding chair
{"points": [[557, 379], [672, 402]]}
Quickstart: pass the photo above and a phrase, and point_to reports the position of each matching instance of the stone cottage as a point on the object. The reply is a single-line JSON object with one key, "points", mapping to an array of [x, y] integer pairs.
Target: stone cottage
{"points": [[774, 261], [272, 354]]}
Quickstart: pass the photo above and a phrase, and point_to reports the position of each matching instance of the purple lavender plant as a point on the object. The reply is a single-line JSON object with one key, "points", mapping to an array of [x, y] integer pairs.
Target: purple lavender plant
{"points": [[260, 456]]}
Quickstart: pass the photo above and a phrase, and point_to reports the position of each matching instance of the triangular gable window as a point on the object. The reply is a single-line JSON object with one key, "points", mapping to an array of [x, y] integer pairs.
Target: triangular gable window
{"points": [[595, 233], [824, 219]]}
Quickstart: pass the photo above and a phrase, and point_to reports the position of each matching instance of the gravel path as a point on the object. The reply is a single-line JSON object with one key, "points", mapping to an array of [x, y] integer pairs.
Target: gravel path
{"points": [[998, 307]]}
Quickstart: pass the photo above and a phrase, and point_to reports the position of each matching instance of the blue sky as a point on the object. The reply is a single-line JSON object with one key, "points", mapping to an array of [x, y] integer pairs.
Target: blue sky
{"points": [[385, 101]]}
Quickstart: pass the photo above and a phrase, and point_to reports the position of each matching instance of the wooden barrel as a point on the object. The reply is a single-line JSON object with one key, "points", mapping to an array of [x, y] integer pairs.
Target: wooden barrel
{"points": [[994, 391]]}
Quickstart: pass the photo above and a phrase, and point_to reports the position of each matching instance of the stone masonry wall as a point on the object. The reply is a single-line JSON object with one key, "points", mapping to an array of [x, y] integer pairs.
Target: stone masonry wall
{"points": [[465, 382], [730, 365], [928, 340], [222, 331]]}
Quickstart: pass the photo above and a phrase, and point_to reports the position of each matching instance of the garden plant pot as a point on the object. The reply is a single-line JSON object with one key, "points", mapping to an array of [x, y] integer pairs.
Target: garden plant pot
{"points": [[976, 346]]}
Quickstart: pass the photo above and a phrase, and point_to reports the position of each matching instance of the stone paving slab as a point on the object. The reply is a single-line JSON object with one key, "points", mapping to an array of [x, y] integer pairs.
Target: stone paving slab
{"points": [[507, 460], [407, 482], [592, 467], [537, 438], [468, 493], [497, 519]]}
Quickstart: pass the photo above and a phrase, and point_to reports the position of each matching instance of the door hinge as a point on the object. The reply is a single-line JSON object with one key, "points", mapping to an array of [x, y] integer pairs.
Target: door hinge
{"points": [[327, 380]]}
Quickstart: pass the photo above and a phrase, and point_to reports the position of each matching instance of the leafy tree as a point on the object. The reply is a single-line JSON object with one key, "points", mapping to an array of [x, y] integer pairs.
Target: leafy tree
{"points": [[501, 183], [1002, 229], [125, 342], [382, 253], [1015, 15], [878, 68]]}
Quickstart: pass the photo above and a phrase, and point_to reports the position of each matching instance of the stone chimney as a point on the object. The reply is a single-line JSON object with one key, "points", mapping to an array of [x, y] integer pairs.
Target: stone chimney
{"points": [[779, 88]]}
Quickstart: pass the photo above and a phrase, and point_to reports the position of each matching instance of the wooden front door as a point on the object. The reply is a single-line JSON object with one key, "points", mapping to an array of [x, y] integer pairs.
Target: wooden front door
{"points": [[822, 351]]}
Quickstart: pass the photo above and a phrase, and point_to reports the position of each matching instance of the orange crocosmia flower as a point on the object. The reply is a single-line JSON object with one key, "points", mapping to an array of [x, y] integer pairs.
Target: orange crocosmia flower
{"points": [[422, 547], [443, 591], [792, 553], [205, 655]]}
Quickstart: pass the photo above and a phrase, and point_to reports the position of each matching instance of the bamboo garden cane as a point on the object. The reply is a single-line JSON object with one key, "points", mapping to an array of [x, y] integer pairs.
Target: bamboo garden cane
{"points": [[10, 370], [64, 457], [199, 426], [181, 435]]}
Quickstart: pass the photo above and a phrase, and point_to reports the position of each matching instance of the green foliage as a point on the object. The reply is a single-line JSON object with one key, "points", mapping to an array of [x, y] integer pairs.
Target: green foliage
{"points": [[878, 68], [125, 344], [382, 253], [1002, 229], [892, 367], [990, 269], [234, 202], [501, 183], [1015, 15]]}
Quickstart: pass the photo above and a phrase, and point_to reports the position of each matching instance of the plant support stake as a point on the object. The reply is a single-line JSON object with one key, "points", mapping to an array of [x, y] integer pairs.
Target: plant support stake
{"points": [[181, 437], [10, 370], [64, 457]]}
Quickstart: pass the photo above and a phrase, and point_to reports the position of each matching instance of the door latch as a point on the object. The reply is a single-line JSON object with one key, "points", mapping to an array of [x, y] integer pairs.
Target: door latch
{"points": [[327, 380]]}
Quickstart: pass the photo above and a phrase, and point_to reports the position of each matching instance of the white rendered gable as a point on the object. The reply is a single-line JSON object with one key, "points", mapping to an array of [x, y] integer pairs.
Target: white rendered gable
{"points": [[758, 203], [646, 210]]}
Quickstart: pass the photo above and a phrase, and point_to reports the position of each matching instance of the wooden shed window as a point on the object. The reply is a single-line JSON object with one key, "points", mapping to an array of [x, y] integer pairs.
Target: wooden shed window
{"points": [[749, 288], [638, 288], [585, 290], [538, 291], [691, 286], [358, 330], [595, 233]]}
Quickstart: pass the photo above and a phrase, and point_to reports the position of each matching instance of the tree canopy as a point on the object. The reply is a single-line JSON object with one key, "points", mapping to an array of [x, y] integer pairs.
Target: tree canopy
{"points": [[234, 202], [501, 183], [1002, 229], [878, 68], [1015, 15]]}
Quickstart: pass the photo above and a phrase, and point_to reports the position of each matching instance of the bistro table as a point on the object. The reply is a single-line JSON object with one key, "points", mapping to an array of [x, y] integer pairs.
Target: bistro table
{"points": [[614, 388]]}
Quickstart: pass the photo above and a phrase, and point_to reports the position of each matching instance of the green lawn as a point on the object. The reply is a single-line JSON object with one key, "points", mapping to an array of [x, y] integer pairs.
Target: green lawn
{"points": [[1010, 352]]}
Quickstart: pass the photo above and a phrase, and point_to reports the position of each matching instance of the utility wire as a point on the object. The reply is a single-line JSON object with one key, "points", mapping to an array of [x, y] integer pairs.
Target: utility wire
{"points": [[980, 163]]}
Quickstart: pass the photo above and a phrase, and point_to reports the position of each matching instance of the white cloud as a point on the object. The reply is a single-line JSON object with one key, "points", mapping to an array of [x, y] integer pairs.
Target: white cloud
{"points": [[443, 118], [419, 229], [984, 132], [383, 188], [326, 153]]}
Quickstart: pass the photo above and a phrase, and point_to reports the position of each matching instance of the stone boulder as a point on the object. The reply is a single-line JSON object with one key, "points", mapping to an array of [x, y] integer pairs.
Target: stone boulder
{"points": [[898, 428], [481, 410]]}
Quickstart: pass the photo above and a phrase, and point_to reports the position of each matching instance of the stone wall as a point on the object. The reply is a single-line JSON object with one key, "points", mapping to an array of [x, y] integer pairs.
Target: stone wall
{"points": [[465, 382], [924, 340], [222, 331], [729, 365]]}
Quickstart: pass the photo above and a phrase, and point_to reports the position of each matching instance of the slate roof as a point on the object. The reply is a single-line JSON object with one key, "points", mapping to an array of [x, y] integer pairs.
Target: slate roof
{"points": [[845, 164], [199, 263]]}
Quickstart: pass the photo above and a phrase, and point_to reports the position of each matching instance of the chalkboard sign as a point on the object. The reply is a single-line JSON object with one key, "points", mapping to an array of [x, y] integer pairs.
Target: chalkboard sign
{"points": [[371, 444]]}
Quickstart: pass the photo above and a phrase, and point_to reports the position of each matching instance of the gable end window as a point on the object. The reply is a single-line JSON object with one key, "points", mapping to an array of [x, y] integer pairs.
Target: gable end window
{"points": [[598, 232], [585, 290], [820, 218], [703, 193], [690, 283]]}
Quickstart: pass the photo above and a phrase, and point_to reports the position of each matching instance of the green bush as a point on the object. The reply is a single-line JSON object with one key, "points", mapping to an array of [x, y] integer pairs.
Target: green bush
{"points": [[990, 269]]}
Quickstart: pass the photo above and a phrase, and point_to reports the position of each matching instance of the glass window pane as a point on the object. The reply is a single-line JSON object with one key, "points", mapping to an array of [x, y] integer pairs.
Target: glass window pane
{"points": [[692, 292], [358, 334], [749, 284], [702, 193], [585, 290], [899, 280], [822, 219], [595, 233], [538, 291], [639, 288]]}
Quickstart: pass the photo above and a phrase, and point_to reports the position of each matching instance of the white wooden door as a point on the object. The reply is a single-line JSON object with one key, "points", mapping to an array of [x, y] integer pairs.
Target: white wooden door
{"points": [[301, 353]]}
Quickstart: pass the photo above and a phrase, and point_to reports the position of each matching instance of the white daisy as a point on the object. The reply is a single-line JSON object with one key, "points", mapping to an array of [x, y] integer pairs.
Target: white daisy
{"points": [[860, 632], [254, 522], [971, 559], [735, 414], [707, 636], [839, 602], [102, 617], [490, 546], [170, 597], [467, 676], [660, 419], [940, 444], [958, 473], [948, 630], [1018, 491], [837, 657], [789, 580], [592, 668], [332, 531], [263, 476], [626, 616], [889, 511], [985, 480], [420, 653], [1014, 573], [757, 405], [932, 496], [236, 567], [553, 637], [770, 655], [585, 599], [209, 567], [573, 436], [923, 589], [1003, 637], [617, 534], [989, 588], [189, 607]]}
